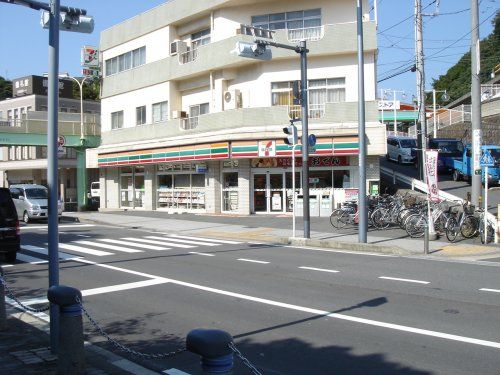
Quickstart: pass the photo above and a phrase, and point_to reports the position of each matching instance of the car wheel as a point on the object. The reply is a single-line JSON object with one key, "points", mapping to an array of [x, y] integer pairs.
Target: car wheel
{"points": [[387, 157], [11, 257], [26, 217], [399, 159], [456, 175]]}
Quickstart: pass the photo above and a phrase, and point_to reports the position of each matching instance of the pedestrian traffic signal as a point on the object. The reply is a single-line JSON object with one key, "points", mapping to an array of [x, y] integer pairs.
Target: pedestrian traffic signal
{"points": [[292, 136]]}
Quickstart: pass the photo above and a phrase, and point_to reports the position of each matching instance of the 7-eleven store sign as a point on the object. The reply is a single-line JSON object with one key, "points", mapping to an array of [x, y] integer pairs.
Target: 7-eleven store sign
{"points": [[267, 148]]}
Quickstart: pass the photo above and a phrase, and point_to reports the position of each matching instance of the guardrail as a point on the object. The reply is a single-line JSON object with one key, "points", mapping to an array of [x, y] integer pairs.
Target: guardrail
{"points": [[422, 186]]}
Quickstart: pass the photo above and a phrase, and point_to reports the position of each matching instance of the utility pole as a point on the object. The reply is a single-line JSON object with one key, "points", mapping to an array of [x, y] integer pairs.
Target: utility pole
{"points": [[476, 105], [422, 132], [362, 209]]}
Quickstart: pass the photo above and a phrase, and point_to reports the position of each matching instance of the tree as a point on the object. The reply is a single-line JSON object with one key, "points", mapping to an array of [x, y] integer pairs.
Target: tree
{"points": [[457, 80], [91, 90], [5, 88]]}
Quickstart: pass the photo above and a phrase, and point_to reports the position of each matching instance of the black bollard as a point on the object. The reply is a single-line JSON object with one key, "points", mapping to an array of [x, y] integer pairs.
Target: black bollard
{"points": [[3, 314], [71, 352], [213, 347]]}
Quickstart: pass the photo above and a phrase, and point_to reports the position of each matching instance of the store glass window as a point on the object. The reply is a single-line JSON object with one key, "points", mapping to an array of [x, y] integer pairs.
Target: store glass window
{"points": [[342, 179], [320, 179], [126, 190], [179, 188]]}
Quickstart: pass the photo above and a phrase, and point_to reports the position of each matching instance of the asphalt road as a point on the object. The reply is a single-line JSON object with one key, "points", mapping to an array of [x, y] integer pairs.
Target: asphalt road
{"points": [[446, 183], [291, 310]]}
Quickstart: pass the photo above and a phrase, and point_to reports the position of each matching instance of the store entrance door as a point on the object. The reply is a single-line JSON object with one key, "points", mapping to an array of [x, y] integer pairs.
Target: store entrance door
{"points": [[268, 192]]}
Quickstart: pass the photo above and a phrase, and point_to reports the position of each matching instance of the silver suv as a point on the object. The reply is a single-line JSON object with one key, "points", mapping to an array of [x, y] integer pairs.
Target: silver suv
{"points": [[31, 201]]}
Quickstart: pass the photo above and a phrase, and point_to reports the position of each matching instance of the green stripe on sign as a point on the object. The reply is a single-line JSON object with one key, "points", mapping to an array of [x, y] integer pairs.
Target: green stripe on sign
{"points": [[346, 145], [146, 156], [244, 148], [221, 150], [203, 151]]}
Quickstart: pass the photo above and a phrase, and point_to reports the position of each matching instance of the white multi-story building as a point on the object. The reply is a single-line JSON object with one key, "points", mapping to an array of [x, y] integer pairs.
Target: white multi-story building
{"points": [[189, 126]]}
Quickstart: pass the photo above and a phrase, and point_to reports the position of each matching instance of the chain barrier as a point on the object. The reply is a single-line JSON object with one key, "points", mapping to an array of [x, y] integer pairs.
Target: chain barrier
{"points": [[122, 347], [245, 361], [11, 295]]}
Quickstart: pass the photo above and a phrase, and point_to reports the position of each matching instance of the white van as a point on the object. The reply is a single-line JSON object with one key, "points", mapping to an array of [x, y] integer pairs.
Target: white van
{"points": [[399, 149], [31, 201]]}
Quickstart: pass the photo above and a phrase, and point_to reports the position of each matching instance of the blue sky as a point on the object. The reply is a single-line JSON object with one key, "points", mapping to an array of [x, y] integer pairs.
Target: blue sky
{"points": [[446, 37]]}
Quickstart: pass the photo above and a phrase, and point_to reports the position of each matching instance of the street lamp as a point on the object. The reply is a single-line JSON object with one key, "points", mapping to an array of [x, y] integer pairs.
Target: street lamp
{"points": [[403, 95], [445, 97], [80, 86]]}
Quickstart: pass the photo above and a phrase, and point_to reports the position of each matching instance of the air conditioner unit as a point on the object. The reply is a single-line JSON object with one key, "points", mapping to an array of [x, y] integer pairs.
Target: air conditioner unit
{"points": [[232, 99], [177, 46], [179, 114]]}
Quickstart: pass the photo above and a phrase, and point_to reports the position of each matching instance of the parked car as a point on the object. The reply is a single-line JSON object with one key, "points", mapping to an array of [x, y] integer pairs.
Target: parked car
{"points": [[31, 201], [10, 239], [449, 149], [95, 194], [400, 149]]}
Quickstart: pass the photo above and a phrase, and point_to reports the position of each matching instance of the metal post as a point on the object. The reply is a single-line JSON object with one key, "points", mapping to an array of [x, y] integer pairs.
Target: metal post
{"points": [[363, 212], [52, 180], [434, 112], [3, 313], [395, 113], [305, 140], [486, 205], [476, 105], [293, 188], [214, 348], [421, 128], [382, 99]]}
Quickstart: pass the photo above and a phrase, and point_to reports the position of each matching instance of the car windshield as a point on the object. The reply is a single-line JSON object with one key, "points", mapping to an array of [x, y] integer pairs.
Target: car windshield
{"points": [[448, 147], [495, 153], [36, 193], [408, 143]]}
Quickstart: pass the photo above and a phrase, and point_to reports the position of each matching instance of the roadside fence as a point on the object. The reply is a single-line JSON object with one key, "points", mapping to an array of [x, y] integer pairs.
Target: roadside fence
{"points": [[215, 347]]}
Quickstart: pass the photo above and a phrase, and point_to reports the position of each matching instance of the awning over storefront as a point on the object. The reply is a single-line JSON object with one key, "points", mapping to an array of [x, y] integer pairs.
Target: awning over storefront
{"points": [[330, 146]]}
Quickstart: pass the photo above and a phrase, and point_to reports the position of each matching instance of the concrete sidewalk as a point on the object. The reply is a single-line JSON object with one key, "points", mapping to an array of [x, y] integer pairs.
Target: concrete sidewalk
{"points": [[277, 229]]}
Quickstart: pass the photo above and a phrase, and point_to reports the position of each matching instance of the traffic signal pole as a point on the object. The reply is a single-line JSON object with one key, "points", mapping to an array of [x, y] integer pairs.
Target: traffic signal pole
{"points": [[305, 140]]}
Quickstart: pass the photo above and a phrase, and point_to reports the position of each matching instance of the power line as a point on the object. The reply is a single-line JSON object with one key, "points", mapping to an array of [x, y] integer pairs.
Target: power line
{"points": [[406, 19]]}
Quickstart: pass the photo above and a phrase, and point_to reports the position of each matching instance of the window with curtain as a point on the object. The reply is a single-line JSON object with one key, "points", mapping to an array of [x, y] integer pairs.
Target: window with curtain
{"points": [[330, 90], [160, 112], [140, 115], [117, 120], [281, 93], [126, 61]]}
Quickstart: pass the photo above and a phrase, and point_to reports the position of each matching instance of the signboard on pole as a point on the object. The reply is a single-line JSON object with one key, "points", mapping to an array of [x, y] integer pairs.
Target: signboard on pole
{"points": [[487, 160], [267, 148], [385, 105], [90, 57], [476, 141], [61, 141], [431, 175]]}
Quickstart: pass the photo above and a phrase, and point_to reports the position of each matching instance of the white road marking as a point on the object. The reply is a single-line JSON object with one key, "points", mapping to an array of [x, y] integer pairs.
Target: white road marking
{"points": [[405, 280], [342, 251], [197, 243], [318, 269], [253, 261], [205, 239], [204, 254], [127, 243], [60, 226], [397, 327], [29, 259], [43, 251], [83, 235], [146, 240], [107, 246], [490, 290], [84, 250], [7, 265]]}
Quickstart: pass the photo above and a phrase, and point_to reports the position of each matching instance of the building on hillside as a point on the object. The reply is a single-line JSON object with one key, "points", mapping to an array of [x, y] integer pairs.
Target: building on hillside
{"points": [[23, 122], [189, 126]]}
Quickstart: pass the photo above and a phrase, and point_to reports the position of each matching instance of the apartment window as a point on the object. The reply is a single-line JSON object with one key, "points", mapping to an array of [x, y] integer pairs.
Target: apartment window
{"points": [[281, 93], [16, 113], [117, 120], [140, 115], [330, 90], [9, 114], [199, 109], [1, 114], [200, 38], [126, 61], [288, 20], [160, 112]]}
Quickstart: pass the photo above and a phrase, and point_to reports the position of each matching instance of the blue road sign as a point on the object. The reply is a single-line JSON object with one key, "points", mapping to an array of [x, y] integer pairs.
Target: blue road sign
{"points": [[487, 160], [312, 140]]}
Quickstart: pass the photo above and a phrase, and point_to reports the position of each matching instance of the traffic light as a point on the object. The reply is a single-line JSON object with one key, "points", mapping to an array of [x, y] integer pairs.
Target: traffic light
{"points": [[291, 132], [257, 51], [70, 22]]}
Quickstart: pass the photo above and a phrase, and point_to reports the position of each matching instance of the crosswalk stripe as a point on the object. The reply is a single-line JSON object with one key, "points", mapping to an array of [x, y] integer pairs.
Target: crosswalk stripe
{"points": [[107, 246], [142, 246], [185, 241], [84, 250], [29, 259], [44, 251], [158, 242], [205, 239]]}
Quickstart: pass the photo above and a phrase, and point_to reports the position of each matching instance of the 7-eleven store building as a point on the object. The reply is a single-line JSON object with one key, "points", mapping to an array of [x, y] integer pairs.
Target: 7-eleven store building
{"points": [[238, 177]]}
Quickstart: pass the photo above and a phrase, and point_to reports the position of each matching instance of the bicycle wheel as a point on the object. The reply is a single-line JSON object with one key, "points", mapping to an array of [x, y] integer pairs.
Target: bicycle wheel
{"points": [[334, 216], [380, 218], [469, 226], [486, 237], [452, 229], [415, 225]]}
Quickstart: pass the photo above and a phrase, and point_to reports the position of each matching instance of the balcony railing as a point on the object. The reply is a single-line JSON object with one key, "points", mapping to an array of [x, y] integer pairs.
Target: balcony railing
{"points": [[489, 92], [308, 33], [189, 56], [189, 123], [315, 111]]}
